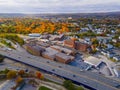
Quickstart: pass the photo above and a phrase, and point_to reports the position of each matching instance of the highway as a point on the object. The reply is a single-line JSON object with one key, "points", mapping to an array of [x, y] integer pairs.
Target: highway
{"points": [[89, 79]]}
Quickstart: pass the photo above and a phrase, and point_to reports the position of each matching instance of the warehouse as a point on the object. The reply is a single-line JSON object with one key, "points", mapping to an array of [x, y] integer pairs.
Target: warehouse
{"points": [[63, 58], [93, 61], [50, 53], [34, 35], [45, 45], [62, 49], [35, 50]]}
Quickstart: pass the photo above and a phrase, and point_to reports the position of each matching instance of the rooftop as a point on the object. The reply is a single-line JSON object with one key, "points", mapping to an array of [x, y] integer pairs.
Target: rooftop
{"points": [[49, 51], [93, 61], [64, 56]]}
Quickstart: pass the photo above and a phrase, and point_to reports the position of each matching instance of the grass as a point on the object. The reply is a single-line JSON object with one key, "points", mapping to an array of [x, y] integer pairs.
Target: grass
{"points": [[113, 60], [44, 88], [52, 81], [12, 37]]}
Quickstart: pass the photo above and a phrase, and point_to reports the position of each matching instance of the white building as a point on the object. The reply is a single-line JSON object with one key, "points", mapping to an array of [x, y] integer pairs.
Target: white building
{"points": [[93, 61], [34, 35], [117, 71]]}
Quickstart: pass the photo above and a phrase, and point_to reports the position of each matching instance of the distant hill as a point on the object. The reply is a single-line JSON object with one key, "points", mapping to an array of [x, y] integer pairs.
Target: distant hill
{"points": [[62, 15]]}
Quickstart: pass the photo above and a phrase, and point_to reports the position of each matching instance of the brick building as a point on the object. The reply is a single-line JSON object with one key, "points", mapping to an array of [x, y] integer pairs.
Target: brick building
{"points": [[77, 45], [82, 46], [69, 43], [35, 50], [63, 58]]}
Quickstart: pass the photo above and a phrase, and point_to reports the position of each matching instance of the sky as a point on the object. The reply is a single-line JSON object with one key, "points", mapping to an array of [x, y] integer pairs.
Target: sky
{"points": [[58, 6]]}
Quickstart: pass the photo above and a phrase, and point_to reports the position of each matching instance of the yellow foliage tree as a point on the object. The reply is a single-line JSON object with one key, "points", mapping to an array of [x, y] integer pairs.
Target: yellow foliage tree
{"points": [[11, 74], [19, 80]]}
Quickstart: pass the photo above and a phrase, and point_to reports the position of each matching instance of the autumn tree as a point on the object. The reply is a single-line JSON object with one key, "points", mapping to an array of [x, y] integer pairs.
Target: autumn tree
{"points": [[19, 80], [39, 75], [21, 72], [11, 74]]}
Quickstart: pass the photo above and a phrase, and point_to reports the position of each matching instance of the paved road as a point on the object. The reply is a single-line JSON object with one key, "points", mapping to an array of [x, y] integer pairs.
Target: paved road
{"points": [[87, 78]]}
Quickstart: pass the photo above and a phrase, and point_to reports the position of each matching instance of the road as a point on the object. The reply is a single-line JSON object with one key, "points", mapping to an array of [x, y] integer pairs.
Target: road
{"points": [[89, 79]]}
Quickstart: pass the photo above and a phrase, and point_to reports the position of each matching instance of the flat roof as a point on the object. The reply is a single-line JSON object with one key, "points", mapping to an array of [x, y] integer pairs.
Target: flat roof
{"points": [[88, 78], [49, 51], [62, 49], [64, 56], [93, 61]]}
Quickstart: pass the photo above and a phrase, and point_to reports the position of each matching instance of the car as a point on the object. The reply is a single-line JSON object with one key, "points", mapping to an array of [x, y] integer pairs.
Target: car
{"points": [[9, 49], [26, 70]]}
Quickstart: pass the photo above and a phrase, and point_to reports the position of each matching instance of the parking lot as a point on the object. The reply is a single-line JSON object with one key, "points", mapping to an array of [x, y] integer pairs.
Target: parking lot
{"points": [[78, 62]]}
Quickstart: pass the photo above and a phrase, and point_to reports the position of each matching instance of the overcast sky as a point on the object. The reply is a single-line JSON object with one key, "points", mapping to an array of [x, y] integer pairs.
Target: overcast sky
{"points": [[58, 6]]}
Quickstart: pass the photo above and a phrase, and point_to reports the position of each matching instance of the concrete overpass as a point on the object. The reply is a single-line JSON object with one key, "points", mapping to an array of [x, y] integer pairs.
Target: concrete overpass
{"points": [[90, 80]]}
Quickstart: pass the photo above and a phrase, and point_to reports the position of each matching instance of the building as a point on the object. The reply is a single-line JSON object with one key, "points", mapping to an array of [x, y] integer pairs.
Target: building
{"points": [[117, 71], [63, 58], [93, 61], [34, 35], [69, 43], [62, 49], [104, 40], [82, 46], [43, 44], [50, 53], [35, 50], [116, 57], [77, 45], [56, 37]]}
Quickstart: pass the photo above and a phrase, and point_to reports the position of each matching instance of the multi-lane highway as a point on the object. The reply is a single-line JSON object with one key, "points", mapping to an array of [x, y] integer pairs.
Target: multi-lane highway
{"points": [[86, 78]]}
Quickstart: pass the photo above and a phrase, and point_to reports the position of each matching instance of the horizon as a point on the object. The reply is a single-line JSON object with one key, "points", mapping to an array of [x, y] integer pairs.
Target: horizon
{"points": [[62, 12], [58, 6]]}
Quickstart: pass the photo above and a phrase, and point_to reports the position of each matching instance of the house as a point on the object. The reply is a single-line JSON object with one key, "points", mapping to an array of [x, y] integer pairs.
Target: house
{"points": [[104, 40], [104, 52], [113, 31], [87, 41], [110, 55], [116, 57], [109, 46], [114, 40]]}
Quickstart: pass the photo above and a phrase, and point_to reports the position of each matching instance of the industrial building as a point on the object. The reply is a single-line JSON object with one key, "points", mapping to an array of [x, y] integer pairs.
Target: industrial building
{"points": [[34, 35], [82, 46], [61, 57], [77, 45], [49, 53], [45, 45], [35, 50], [93, 61], [69, 43], [62, 49]]}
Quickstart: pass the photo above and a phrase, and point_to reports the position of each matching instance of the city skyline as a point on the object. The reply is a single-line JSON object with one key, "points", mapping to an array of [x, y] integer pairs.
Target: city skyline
{"points": [[58, 6]]}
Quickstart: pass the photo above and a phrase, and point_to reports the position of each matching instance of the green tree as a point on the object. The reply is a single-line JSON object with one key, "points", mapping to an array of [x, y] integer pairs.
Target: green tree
{"points": [[69, 85], [1, 58], [80, 88]]}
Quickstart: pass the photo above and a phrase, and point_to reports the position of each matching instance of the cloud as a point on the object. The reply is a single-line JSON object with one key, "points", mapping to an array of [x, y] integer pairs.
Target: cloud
{"points": [[56, 6]]}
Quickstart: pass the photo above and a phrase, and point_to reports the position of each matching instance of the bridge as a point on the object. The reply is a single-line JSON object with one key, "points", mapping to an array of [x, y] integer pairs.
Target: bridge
{"points": [[91, 80]]}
